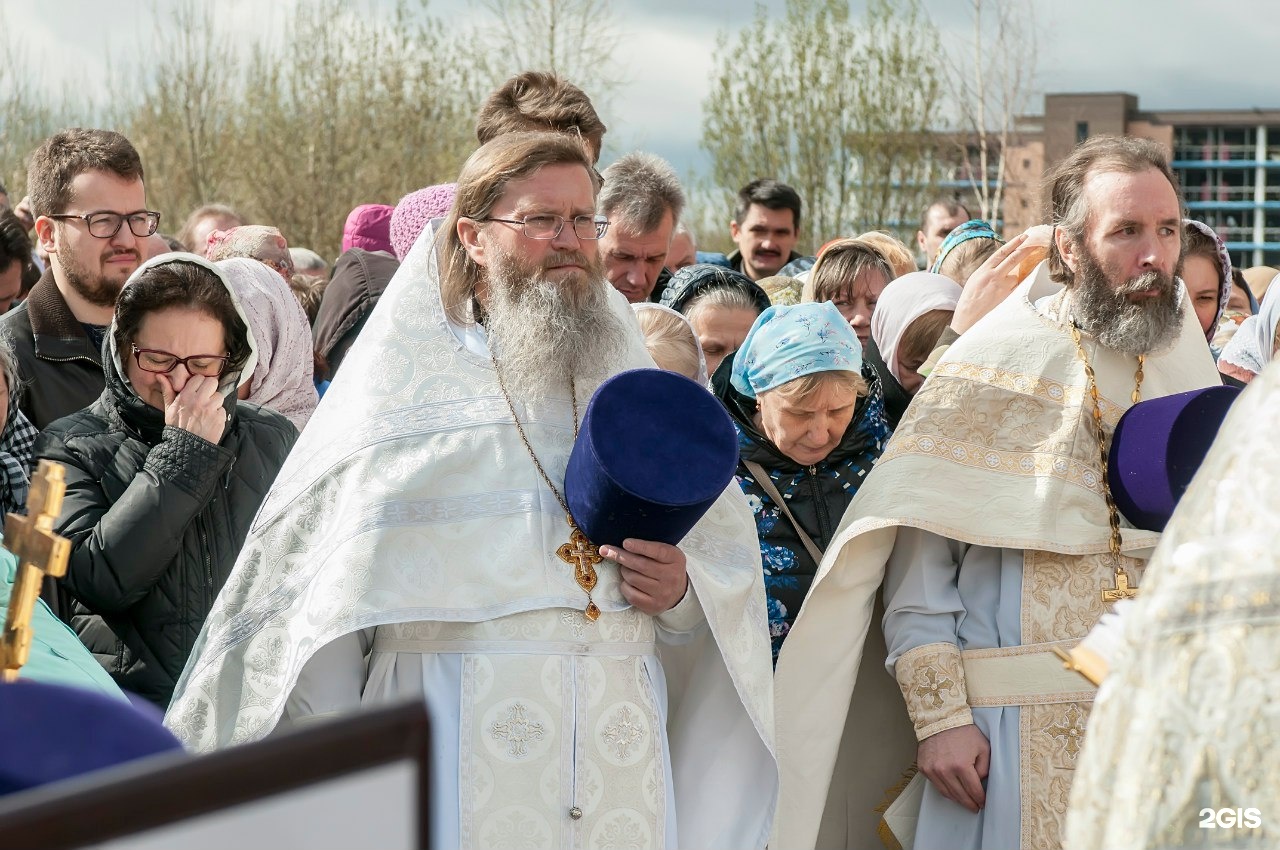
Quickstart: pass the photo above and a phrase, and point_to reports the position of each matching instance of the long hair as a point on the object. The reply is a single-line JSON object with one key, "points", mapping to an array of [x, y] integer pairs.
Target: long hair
{"points": [[481, 184], [1064, 187]]}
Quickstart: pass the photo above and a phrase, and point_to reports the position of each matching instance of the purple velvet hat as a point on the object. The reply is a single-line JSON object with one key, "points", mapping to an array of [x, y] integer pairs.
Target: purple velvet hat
{"points": [[1157, 448], [654, 453], [52, 732]]}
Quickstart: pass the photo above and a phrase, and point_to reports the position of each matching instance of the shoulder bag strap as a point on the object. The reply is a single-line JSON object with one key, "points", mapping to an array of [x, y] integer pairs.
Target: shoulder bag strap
{"points": [[762, 478]]}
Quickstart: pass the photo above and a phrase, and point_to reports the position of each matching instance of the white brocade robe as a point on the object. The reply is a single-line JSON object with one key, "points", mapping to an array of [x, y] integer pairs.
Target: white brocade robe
{"points": [[986, 522], [536, 717], [408, 548]]}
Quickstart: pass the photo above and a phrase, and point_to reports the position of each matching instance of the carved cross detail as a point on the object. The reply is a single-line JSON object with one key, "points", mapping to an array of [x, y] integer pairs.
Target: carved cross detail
{"points": [[584, 555], [40, 552]]}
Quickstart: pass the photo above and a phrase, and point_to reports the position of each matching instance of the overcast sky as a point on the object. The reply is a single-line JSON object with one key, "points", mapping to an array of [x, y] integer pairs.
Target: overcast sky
{"points": [[1173, 54]]}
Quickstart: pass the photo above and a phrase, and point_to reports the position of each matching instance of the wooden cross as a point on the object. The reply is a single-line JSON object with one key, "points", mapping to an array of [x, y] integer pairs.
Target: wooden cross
{"points": [[1122, 590], [584, 555], [40, 552]]}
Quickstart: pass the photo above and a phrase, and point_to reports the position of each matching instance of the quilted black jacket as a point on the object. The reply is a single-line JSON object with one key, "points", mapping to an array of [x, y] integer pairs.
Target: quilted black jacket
{"points": [[156, 517]]}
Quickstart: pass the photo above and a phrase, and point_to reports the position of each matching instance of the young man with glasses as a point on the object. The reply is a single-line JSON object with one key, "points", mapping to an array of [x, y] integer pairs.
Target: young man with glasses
{"points": [[87, 196]]}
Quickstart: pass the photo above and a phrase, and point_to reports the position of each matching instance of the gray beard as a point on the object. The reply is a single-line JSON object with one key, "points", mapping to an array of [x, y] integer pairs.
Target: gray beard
{"points": [[543, 334], [1146, 327]]}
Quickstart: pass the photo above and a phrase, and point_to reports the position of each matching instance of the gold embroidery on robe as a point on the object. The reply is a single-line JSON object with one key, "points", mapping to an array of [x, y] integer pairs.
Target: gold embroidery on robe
{"points": [[1061, 600]]}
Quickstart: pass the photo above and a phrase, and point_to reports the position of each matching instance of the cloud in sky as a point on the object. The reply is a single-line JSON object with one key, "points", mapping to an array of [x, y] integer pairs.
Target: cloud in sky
{"points": [[1177, 54]]}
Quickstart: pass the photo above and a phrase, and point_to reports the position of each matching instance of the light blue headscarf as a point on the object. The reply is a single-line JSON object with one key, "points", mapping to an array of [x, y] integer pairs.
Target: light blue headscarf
{"points": [[787, 343], [974, 228]]}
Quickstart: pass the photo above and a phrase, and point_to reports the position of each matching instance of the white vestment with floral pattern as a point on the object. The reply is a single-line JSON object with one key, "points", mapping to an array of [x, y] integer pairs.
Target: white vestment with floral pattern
{"points": [[410, 522], [996, 460], [1184, 734]]}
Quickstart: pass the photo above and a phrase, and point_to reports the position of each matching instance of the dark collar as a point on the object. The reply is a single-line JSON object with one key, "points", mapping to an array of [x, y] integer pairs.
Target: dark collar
{"points": [[58, 335]]}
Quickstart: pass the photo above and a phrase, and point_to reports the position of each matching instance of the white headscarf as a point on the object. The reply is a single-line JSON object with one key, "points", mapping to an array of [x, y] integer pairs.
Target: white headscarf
{"points": [[702, 376], [229, 381], [1251, 346], [903, 301], [283, 379]]}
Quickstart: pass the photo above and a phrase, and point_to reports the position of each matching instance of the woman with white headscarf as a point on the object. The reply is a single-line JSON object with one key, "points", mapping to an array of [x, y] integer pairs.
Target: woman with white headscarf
{"points": [[1254, 344], [911, 314], [282, 380], [164, 472]]}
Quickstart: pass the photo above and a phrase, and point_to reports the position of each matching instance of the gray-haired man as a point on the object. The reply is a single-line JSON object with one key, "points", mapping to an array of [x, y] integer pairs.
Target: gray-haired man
{"points": [[642, 199]]}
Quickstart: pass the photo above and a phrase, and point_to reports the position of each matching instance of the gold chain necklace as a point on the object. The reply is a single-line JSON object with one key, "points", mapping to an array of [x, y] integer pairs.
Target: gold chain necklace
{"points": [[579, 551], [1122, 588]]}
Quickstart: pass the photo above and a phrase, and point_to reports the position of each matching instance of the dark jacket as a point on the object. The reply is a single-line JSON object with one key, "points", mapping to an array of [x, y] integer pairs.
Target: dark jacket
{"points": [[58, 363], [156, 517], [816, 495], [733, 260], [359, 279]]}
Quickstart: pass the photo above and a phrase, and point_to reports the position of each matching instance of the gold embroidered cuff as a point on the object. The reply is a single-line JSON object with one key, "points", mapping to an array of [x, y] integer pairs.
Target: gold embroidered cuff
{"points": [[932, 681]]}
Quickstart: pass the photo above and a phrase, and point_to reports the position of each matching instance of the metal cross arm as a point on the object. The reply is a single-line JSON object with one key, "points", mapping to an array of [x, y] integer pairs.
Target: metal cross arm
{"points": [[40, 552]]}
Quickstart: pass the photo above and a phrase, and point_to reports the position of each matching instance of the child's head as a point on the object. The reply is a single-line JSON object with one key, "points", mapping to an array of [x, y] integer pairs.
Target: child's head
{"points": [[671, 341]]}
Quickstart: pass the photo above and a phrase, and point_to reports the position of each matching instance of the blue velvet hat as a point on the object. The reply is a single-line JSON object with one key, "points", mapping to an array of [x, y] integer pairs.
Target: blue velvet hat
{"points": [[1157, 448], [52, 732], [654, 452]]}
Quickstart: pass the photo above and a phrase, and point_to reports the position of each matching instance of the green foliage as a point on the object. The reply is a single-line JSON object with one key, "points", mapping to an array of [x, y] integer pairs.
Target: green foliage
{"points": [[839, 108]]}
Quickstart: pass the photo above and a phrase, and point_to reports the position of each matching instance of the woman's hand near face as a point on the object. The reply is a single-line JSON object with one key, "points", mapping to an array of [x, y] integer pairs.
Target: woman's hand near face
{"points": [[197, 408]]}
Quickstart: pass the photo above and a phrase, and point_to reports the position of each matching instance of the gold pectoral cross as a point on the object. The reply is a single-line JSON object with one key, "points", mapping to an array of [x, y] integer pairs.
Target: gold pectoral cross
{"points": [[40, 552], [584, 555], [1122, 590]]}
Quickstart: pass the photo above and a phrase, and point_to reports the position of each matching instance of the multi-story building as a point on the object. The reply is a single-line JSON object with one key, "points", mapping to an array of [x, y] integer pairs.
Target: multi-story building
{"points": [[1228, 161]]}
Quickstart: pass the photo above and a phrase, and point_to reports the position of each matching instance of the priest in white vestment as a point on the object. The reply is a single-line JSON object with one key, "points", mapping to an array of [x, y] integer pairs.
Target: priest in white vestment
{"points": [[409, 548], [989, 521], [1182, 750]]}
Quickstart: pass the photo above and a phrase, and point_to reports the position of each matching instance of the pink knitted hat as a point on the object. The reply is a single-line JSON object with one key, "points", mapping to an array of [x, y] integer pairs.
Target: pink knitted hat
{"points": [[415, 211], [368, 227]]}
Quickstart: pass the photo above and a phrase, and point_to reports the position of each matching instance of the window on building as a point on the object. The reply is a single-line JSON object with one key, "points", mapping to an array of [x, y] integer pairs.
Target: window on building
{"points": [[1082, 131]]}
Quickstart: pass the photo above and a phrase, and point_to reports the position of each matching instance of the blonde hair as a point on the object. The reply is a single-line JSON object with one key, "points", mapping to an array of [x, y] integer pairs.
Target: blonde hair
{"points": [[800, 390], [899, 256], [671, 342], [967, 257]]}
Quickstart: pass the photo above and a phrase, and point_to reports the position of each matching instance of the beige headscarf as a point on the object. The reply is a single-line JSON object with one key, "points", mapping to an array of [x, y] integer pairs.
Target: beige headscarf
{"points": [[262, 243], [282, 379]]}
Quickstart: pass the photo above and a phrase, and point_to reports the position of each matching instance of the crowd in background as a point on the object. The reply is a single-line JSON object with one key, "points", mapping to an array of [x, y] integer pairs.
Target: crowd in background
{"points": [[171, 374]]}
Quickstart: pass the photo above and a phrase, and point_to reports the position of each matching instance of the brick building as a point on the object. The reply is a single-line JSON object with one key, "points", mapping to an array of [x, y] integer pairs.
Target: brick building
{"points": [[1228, 161]]}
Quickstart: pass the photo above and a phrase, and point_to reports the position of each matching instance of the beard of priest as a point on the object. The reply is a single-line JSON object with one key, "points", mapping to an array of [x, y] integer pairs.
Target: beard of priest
{"points": [[409, 548], [1005, 552]]}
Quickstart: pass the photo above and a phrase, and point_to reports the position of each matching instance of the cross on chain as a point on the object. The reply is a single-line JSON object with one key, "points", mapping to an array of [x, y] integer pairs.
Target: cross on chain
{"points": [[40, 552], [1122, 590], [584, 556]]}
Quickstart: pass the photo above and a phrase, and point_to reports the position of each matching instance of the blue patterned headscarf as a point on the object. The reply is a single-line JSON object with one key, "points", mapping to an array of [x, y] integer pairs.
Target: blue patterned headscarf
{"points": [[787, 343], [974, 228]]}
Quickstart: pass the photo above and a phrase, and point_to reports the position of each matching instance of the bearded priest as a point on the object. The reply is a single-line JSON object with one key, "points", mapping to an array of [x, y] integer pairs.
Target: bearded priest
{"points": [[990, 521], [411, 546]]}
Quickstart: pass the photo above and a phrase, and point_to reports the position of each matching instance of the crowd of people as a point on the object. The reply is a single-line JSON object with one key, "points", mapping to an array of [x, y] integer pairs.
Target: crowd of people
{"points": [[296, 488]]}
